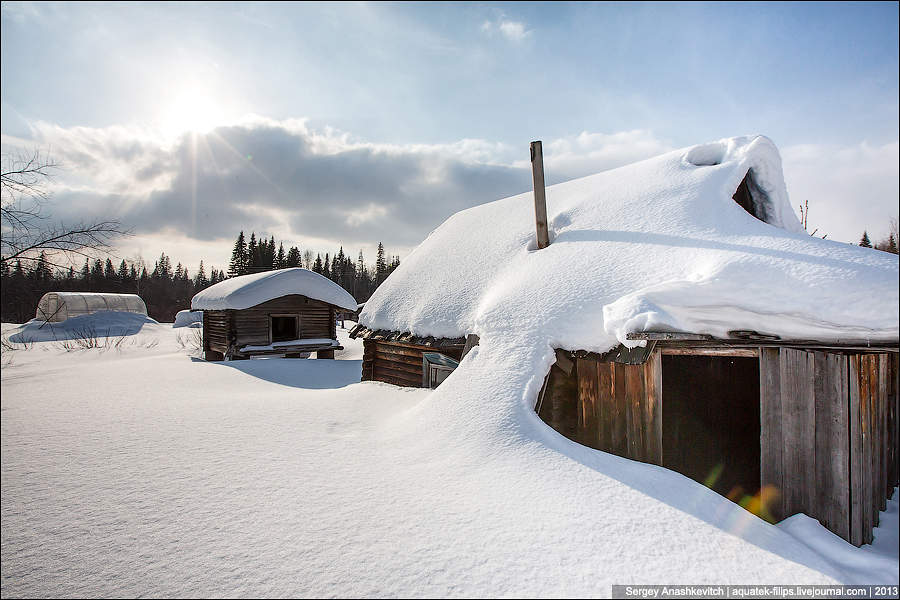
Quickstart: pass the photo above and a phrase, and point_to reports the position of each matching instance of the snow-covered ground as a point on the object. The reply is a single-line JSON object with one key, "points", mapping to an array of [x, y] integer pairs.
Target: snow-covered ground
{"points": [[134, 468]]}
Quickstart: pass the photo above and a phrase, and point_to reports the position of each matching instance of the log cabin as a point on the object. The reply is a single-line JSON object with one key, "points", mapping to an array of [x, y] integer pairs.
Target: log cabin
{"points": [[400, 358], [288, 312], [678, 314]]}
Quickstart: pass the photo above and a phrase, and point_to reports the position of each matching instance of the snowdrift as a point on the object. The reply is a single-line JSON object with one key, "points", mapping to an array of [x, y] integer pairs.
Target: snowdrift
{"points": [[461, 491], [249, 290], [657, 245], [93, 325], [188, 318]]}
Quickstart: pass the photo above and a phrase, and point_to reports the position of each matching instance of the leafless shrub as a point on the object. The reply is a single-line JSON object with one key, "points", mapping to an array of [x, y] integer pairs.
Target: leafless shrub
{"points": [[191, 340]]}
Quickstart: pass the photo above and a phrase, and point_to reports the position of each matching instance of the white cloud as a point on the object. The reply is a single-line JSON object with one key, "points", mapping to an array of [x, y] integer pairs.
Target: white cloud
{"points": [[587, 153], [322, 188], [849, 188], [515, 31]]}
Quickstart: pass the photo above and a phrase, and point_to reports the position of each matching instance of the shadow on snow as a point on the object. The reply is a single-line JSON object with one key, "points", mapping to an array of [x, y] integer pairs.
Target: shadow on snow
{"points": [[307, 374]]}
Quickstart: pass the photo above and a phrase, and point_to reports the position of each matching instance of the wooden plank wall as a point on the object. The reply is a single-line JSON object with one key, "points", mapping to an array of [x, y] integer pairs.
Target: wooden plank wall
{"points": [[215, 330], [618, 408], [799, 431], [397, 363], [894, 418], [873, 440], [826, 440], [771, 433], [832, 442]]}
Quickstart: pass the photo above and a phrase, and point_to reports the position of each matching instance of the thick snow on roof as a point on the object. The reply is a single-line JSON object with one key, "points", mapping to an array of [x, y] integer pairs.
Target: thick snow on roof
{"points": [[653, 246], [249, 290]]}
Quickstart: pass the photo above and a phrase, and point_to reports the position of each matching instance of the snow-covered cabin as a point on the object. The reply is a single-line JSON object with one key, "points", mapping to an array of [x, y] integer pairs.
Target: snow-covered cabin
{"points": [[680, 316], [288, 311], [56, 307]]}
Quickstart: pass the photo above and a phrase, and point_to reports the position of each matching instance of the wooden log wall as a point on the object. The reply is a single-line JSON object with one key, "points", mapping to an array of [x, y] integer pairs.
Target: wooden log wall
{"points": [[216, 326], [617, 407], [828, 436], [252, 324], [397, 363]]}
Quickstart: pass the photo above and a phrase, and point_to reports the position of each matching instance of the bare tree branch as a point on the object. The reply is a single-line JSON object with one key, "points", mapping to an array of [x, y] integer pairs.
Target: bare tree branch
{"points": [[25, 230]]}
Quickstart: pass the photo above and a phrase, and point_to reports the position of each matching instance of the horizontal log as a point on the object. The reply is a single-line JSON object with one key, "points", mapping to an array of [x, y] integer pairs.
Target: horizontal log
{"points": [[448, 350], [398, 350], [396, 377], [412, 370], [397, 382], [705, 351], [409, 370], [405, 358]]}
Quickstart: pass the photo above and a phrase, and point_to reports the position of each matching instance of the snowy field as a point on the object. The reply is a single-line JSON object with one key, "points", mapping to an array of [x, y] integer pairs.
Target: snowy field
{"points": [[131, 468]]}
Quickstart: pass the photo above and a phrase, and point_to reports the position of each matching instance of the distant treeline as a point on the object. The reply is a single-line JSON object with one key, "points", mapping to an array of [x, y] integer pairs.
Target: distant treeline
{"points": [[165, 289], [354, 276]]}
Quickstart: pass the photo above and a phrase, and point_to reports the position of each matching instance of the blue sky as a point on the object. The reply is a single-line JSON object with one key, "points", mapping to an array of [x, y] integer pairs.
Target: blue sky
{"points": [[452, 93]]}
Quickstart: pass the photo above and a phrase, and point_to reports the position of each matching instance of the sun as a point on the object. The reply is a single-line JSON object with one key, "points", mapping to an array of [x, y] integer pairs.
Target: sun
{"points": [[192, 110]]}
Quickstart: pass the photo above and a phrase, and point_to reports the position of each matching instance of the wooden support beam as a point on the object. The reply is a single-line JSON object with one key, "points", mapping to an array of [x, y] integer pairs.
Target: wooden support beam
{"points": [[540, 198], [706, 351]]}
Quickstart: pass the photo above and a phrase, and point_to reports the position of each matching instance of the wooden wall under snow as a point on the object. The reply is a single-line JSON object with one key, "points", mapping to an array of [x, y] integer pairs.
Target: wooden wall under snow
{"points": [[800, 430]]}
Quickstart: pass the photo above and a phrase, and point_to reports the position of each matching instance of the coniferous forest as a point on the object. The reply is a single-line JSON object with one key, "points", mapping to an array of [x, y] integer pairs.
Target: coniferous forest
{"points": [[166, 289]]}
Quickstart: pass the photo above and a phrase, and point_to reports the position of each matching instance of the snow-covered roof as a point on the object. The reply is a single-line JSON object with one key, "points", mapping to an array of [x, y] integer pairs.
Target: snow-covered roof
{"points": [[249, 290], [658, 245]]}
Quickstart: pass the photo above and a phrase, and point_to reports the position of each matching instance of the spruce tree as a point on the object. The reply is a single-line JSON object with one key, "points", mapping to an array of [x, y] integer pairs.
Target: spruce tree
{"points": [[252, 253], [359, 287], [864, 241], [380, 265], [97, 276], [293, 258], [270, 256], [337, 267], [280, 257], [109, 272], [42, 273], [200, 280], [239, 262]]}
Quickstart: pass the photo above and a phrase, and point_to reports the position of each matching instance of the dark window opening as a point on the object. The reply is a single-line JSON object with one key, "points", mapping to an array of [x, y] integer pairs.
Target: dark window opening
{"points": [[711, 430], [284, 329], [751, 198]]}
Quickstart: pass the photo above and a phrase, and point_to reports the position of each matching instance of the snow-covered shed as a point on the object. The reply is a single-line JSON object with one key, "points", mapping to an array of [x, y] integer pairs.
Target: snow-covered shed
{"points": [[56, 307], [288, 311], [681, 316]]}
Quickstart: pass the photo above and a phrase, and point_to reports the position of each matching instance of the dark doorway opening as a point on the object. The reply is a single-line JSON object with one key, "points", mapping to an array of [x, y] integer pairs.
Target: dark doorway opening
{"points": [[751, 198], [711, 430], [284, 329]]}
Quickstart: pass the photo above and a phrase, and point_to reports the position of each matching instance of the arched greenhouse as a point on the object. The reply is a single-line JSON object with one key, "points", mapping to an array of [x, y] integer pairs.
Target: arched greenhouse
{"points": [[59, 306]]}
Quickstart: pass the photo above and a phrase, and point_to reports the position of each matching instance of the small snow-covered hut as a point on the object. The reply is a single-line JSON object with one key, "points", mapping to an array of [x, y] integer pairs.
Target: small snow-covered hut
{"points": [[56, 307], [681, 316], [288, 311]]}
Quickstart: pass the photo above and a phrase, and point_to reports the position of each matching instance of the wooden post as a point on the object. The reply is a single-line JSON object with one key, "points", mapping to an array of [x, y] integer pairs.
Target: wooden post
{"points": [[540, 198]]}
